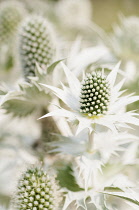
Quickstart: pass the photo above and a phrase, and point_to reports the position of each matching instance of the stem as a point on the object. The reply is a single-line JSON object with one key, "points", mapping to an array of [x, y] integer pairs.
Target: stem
{"points": [[48, 127], [91, 142]]}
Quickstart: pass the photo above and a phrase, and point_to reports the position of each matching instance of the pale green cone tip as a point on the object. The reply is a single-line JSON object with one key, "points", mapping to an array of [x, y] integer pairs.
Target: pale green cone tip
{"points": [[36, 44]]}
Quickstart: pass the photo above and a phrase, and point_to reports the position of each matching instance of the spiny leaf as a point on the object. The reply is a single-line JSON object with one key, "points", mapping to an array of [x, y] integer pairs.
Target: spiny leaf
{"points": [[18, 107], [113, 189], [26, 100], [66, 179], [129, 196]]}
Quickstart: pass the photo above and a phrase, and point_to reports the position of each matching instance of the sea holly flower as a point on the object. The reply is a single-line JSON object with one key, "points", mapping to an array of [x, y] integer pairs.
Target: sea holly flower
{"points": [[95, 101], [37, 190]]}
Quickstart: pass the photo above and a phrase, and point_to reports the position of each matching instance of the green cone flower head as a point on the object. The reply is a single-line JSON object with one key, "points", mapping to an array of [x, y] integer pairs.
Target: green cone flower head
{"points": [[11, 14], [37, 191], [95, 95], [36, 44]]}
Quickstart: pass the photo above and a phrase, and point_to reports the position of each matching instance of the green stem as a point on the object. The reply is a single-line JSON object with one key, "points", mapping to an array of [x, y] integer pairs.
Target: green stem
{"points": [[48, 127]]}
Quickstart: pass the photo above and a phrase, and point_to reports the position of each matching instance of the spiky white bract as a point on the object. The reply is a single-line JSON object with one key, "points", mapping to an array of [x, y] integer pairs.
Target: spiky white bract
{"points": [[36, 44], [79, 59], [37, 190], [85, 171], [95, 181], [79, 145], [115, 116], [11, 14]]}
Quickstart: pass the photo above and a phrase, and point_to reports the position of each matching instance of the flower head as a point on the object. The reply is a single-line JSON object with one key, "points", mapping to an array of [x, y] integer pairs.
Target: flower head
{"points": [[36, 44], [95, 95], [37, 190], [97, 102], [11, 14]]}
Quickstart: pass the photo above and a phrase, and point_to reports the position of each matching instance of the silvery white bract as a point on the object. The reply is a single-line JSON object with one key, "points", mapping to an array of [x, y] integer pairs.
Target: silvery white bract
{"points": [[114, 117], [28, 97], [78, 59], [105, 144], [97, 185]]}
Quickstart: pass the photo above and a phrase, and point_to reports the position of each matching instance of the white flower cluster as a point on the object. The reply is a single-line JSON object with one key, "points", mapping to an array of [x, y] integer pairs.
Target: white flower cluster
{"points": [[36, 44]]}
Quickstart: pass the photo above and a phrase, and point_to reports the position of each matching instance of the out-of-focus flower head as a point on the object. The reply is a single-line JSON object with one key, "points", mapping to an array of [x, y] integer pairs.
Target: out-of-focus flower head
{"points": [[37, 190], [74, 13], [36, 44], [11, 14], [125, 39]]}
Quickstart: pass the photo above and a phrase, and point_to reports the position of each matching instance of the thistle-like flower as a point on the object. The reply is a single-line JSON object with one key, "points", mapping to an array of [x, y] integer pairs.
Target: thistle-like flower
{"points": [[36, 44], [37, 190], [97, 101], [11, 14]]}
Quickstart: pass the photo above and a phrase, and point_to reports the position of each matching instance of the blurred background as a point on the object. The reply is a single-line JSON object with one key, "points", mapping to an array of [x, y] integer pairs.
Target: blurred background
{"points": [[105, 13]]}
